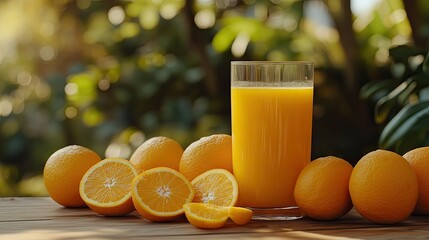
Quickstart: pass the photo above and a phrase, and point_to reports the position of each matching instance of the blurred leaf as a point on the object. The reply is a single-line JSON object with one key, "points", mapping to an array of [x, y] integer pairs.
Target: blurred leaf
{"points": [[410, 141], [373, 88], [382, 108], [149, 17], [82, 89], [398, 70], [92, 117], [223, 39], [421, 79], [424, 94], [399, 94], [403, 52], [129, 29], [410, 119], [377, 24], [405, 94], [426, 65], [255, 29]]}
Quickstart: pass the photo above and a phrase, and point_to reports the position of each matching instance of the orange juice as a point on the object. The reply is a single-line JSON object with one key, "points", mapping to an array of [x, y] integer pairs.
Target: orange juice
{"points": [[271, 137]]}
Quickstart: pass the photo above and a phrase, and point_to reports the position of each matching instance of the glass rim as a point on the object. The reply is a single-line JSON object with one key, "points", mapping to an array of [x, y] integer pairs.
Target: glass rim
{"points": [[272, 62]]}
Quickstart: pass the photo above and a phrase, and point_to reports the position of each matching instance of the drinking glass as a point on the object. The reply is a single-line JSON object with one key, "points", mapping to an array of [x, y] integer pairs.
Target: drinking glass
{"points": [[271, 111]]}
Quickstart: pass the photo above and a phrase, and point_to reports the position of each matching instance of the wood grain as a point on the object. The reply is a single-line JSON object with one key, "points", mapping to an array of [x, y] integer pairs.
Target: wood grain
{"points": [[41, 218]]}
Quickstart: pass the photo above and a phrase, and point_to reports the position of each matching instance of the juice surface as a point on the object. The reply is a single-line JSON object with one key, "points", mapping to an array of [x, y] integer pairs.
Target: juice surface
{"points": [[271, 138]]}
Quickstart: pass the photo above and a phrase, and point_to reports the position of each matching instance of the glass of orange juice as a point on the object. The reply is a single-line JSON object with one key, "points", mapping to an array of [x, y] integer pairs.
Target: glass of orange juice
{"points": [[271, 113]]}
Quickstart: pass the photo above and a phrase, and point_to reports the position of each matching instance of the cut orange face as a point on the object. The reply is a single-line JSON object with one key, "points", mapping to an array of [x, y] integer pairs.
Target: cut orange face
{"points": [[216, 186], [209, 216], [106, 187], [160, 193]]}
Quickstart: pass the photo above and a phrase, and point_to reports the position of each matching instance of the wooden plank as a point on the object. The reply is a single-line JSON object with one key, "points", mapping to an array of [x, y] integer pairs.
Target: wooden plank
{"points": [[41, 218]]}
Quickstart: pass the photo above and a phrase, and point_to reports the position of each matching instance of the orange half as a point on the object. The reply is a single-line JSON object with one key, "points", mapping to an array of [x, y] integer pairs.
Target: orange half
{"points": [[160, 193], [106, 187], [216, 186]]}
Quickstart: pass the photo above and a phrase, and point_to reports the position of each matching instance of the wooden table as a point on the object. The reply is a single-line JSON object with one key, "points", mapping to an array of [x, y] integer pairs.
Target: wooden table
{"points": [[41, 218]]}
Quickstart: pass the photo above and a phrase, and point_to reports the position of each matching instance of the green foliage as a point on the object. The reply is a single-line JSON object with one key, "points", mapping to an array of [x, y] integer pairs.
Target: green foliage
{"points": [[402, 101], [254, 29]]}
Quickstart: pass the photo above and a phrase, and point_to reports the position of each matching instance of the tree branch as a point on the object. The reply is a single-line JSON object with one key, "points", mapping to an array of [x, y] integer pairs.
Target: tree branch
{"points": [[343, 22], [196, 43], [414, 17]]}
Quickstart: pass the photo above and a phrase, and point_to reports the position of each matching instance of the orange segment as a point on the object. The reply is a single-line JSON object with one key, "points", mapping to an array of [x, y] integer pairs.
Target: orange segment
{"points": [[206, 216], [211, 216], [160, 193], [239, 215], [106, 187], [216, 186]]}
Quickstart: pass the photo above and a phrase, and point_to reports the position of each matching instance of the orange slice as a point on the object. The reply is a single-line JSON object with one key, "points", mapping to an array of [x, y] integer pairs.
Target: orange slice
{"points": [[209, 216], [160, 193], [106, 187], [216, 186]]}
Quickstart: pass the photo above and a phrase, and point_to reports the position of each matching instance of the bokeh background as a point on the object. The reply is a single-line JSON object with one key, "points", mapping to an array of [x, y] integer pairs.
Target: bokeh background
{"points": [[109, 74]]}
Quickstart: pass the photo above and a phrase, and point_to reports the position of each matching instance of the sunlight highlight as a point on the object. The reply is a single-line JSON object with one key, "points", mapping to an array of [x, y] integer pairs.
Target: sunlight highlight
{"points": [[169, 11], [121, 150], [71, 88], [47, 53], [70, 112], [5, 107], [137, 138], [23, 78], [240, 44], [116, 15], [205, 19], [149, 18]]}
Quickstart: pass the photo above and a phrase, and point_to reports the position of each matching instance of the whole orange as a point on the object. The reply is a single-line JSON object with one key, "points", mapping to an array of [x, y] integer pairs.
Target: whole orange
{"points": [[208, 153], [383, 187], [63, 171], [322, 188], [419, 160], [157, 152]]}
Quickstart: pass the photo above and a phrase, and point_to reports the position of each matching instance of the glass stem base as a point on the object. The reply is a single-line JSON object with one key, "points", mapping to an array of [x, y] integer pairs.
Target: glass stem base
{"points": [[276, 214]]}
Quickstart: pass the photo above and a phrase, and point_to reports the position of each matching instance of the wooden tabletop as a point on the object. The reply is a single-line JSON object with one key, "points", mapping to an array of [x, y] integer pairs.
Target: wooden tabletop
{"points": [[41, 218]]}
